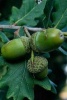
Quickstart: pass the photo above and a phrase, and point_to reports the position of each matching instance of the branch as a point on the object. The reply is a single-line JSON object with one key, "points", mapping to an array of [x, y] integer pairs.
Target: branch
{"points": [[26, 28], [9, 27], [17, 27], [33, 29]]}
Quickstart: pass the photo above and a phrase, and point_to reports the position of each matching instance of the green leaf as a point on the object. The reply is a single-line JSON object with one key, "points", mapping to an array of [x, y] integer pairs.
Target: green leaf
{"points": [[53, 89], [28, 13], [22, 32], [21, 83], [47, 55], [4, 22], [48, 11], [3, 70], [3, 37], [44, 83], [60, 14]]}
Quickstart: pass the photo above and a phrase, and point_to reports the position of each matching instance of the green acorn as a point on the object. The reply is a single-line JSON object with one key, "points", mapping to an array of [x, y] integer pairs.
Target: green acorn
{"points": [[16, 48], [46, 40], [39, 67]]}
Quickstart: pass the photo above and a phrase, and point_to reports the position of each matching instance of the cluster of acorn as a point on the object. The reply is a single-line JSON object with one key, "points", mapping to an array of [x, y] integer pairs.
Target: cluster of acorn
{"points": [[41, 41]]}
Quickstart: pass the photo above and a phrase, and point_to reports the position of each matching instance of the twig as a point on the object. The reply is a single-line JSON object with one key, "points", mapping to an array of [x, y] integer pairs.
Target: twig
{"points": [[34, 29], [9, 27], [17, 27], [26, 31]]}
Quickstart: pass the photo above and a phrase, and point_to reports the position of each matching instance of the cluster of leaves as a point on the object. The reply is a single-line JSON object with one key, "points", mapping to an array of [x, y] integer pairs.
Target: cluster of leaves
{"points": [[49, 13]]}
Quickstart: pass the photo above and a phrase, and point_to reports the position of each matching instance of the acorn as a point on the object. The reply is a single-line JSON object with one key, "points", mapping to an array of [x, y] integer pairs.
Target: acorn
{"points": [[39, 67], [46, 40], [15, 48]]}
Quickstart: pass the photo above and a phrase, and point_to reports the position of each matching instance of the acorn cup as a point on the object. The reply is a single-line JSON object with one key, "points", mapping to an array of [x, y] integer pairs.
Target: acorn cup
{"points": [[15, 48], [38, 67], [46, 40]]}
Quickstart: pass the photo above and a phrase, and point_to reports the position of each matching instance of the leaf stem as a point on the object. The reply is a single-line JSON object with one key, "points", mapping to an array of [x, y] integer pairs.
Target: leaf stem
{"points": [[32, 56]]}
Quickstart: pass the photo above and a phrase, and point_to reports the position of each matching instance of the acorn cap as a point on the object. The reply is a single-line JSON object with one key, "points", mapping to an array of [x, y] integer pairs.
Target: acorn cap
{"points": [[26, 43], [32, 42], [38, 65]]}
